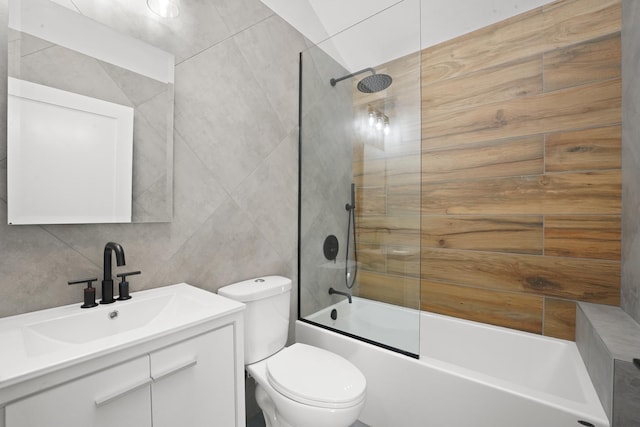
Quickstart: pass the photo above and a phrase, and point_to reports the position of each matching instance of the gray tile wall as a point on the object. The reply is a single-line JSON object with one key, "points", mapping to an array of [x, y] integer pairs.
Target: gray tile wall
{"points": [[626, 408], [602, 332], [630, 286], [597, 359], [235, 164], [608, 340]]}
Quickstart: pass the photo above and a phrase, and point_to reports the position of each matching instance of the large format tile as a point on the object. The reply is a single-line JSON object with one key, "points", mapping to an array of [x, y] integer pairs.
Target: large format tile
{"points": [[271, 49], [225, 117], [228, 130], [630, 290], [35, 268], [596, 359], [269, 197], [149, 155], [630, 286], [626, 411], [227, 248], [137, 87], [239, 15]]}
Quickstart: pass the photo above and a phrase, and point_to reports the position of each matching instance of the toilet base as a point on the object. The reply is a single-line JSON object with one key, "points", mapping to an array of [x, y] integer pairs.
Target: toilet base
{"points": [[271, 416], [292, 416]]}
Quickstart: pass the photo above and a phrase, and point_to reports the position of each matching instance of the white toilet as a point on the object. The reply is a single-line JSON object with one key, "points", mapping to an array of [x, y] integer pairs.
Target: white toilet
{"points": [[300, 385]]}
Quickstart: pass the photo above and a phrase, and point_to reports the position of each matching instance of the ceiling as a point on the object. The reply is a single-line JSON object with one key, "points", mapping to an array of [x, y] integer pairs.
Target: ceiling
{"points": [[363, 33]]}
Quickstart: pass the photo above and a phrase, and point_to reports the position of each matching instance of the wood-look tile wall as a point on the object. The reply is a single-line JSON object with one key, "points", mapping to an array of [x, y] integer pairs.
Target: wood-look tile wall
{"points": [[387, 176], [519, 171]]}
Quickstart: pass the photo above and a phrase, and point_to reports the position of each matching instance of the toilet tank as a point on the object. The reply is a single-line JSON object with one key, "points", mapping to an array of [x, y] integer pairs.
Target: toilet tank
{"points": [[266, 321]]}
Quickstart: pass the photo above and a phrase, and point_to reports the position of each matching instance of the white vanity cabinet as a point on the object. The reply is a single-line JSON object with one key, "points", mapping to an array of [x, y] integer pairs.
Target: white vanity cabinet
{"points": [[118, 396], [191, 383], [184, 367]]}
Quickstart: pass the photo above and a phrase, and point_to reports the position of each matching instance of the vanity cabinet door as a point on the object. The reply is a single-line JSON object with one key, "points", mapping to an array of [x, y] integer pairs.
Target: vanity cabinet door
{"points": [[118, 396], [194, 382]]}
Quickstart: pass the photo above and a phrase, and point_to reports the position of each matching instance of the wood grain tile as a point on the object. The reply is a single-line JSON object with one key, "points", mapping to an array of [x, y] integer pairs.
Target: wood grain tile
{"points": [[522, 156], [591, 61], [371, 257], [568, 278], [511, 310], [515, 234], [371, 201], [571, 22], [504, 196], [404, 200], [597, 104], [370, 172], [488, 86], [403, 170], [389, 230], [404, 260], [560, 318], [393, 289], [582, 236], [527, 34], [590, 149], [570, 193]]}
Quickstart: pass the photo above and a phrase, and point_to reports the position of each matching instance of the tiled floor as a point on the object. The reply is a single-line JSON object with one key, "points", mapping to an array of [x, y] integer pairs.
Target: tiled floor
{"points": [[258, 421]]}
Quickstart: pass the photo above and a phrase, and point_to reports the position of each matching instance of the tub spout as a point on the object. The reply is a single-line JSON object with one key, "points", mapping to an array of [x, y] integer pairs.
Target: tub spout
{"points": [[346, 294]]}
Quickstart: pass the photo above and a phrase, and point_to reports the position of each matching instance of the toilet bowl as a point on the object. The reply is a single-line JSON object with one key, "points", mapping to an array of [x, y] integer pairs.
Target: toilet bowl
{"points": [[305, 386], [299, 385]]}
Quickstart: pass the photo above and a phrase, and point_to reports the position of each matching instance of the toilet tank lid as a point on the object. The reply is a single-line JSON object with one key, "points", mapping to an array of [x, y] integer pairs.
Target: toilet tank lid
{"points": [[255, 289]]}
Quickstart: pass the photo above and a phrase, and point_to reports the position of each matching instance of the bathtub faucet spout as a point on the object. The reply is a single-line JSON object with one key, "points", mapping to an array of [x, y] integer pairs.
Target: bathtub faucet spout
{"points": [[346, 294]]}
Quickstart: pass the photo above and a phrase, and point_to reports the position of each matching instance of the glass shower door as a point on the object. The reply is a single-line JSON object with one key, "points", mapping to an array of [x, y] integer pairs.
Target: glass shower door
{"points": [[360, 185]]}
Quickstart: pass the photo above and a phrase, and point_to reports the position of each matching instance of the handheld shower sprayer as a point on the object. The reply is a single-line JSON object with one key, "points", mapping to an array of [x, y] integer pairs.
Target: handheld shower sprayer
{"points": [[350, 207]]}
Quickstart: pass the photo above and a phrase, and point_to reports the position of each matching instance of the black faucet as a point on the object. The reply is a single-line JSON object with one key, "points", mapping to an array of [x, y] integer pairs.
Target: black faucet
{"points": [[107, 282], [333, 291]]}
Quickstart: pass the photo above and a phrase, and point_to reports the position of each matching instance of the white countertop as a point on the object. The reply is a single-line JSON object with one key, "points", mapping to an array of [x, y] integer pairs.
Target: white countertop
{"points": [[40, 342]]}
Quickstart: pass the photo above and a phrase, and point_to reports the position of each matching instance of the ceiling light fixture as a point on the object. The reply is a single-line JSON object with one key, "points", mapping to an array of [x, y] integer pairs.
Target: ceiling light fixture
{"points": [[164, 8]]}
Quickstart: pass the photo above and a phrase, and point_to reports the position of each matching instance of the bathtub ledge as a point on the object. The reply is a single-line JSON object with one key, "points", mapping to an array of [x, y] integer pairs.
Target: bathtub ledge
{"points": [[608, 340]]}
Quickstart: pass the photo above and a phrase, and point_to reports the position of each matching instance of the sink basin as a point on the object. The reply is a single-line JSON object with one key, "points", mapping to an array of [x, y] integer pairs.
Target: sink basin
{"points": [[47, 339], [90, 325]]}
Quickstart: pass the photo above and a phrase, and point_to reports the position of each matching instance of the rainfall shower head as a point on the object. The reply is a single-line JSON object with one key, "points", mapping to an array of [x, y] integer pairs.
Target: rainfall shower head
{"points": [[370, 84], [374, 83]]}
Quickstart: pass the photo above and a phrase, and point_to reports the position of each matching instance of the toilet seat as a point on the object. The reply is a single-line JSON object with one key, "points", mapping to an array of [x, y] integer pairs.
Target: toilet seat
{"points": [[315, 377]]}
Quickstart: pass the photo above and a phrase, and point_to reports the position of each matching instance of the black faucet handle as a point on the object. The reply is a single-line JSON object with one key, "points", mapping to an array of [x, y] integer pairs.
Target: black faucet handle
{"points": [[124, 285], [87, 281], [89, 292], [123, 276]]}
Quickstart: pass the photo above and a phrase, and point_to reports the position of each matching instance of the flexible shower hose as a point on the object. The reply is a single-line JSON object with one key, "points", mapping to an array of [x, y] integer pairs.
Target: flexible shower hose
{"points": [[352, 218]]}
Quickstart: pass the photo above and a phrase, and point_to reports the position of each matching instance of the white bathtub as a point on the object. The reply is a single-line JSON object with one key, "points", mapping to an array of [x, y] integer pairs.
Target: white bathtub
{"points": [[383, 323], [468, 374]]}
